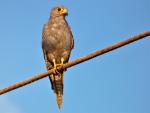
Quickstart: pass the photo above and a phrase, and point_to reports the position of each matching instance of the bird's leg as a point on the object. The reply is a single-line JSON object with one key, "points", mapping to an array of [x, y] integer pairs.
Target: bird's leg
{"points": [[55, 66], [62, 61], [54, 63]]}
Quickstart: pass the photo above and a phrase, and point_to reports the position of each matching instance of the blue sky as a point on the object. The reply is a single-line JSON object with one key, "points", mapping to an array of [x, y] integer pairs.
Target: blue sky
{"points": [[117, 82]]}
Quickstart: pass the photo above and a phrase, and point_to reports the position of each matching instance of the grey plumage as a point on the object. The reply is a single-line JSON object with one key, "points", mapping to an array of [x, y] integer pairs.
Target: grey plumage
{"points": [[57, 43]]}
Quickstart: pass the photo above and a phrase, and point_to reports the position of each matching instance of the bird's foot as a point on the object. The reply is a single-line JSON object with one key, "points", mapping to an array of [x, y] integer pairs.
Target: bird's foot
{"points": [[55, 69], [62, 63], [57, 66]]}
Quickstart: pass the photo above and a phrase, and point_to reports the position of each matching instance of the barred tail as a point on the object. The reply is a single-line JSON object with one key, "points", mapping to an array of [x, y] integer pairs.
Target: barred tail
{"points": [[59, 98], [58, 88]]}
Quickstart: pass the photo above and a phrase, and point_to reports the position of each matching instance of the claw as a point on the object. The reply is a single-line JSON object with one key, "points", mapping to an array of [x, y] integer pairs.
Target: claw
{"points": [[55, 67]]}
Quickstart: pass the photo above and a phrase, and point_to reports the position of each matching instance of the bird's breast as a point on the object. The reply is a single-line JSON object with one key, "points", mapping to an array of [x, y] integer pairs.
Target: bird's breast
{"points": [[57, 39]]}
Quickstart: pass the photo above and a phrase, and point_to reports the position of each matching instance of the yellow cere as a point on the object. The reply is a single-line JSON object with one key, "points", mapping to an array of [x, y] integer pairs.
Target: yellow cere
{"points": [[63, 11]]}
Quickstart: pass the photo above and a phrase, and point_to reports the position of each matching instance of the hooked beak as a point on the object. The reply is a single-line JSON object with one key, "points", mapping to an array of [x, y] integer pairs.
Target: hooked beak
{"points": [[65, 11]]}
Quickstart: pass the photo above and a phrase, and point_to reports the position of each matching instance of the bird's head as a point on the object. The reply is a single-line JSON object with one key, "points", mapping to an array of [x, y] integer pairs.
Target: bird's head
{"points": [[59, 11]]}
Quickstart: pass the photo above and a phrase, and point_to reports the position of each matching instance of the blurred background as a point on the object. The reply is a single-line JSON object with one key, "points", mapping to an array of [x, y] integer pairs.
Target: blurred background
{"points": [[117, 82]]}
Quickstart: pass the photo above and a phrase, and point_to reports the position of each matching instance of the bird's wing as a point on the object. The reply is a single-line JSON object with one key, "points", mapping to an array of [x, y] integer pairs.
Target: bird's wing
{"points": [[48, 64]]}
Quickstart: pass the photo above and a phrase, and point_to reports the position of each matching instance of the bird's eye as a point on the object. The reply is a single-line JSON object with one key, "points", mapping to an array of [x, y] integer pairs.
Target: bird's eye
{"points": [[59, 9]]}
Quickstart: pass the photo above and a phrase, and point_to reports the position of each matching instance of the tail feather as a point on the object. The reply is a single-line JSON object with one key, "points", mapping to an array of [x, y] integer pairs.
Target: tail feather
{"points": [[57, 83], [59, 98]]}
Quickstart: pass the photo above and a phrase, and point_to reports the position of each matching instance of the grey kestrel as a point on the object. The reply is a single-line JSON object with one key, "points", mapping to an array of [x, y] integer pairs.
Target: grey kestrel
{"points": [[57, 43]]}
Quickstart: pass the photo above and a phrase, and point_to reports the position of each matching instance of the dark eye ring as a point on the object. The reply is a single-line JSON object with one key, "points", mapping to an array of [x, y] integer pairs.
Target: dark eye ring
{"points": [[59, 9]]}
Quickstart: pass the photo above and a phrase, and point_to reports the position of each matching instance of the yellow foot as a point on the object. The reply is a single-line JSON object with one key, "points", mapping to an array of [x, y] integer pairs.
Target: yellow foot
{"points": [[55, 70], [62, 62], [57, 66]]}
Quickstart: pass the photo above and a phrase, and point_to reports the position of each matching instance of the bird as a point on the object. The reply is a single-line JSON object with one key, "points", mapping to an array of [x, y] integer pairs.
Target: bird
{"points": [[57, 44]]}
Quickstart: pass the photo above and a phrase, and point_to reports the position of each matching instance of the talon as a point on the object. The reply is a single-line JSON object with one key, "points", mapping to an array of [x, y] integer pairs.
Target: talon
{"points": [[55, 67], [55, 71]]}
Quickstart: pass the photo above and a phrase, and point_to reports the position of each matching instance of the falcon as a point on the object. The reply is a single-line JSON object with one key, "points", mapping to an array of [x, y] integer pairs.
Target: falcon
{"points": [[57, 43]]}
